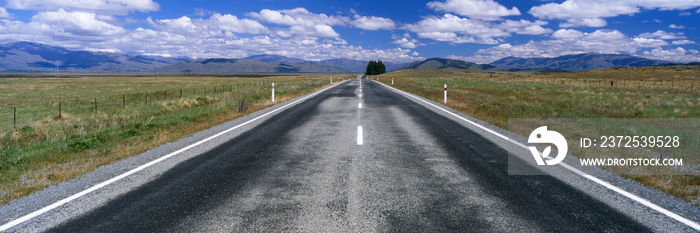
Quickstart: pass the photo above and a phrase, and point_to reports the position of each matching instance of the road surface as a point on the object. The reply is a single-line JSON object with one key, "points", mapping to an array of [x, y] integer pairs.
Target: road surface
{"points": [[354, 158]]}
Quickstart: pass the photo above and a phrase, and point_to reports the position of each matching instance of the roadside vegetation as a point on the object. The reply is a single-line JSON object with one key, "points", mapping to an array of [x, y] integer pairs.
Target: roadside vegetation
{"points": [[45, 147], [636, 92]]}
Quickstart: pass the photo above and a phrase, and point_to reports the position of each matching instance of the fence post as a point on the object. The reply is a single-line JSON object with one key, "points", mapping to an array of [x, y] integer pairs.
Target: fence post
{"points": [[59, 111], [146, 97], [95, 106], [14, 117], [165, 94], [124, 101], [180, 93]]}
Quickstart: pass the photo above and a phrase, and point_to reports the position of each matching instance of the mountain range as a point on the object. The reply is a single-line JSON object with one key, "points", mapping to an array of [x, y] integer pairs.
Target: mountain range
{"points": [[221, 65], [35, 57], [577, 62], [348, 64], [468, 67]]}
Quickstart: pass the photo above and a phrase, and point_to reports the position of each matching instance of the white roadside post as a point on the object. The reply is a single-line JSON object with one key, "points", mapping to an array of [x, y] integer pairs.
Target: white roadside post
{"points": [[273, 92], [331, 79], [392, 81], [445, 93]]}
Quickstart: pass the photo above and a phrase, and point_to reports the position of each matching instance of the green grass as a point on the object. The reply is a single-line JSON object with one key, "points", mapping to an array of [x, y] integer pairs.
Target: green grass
{"points": [[46, 149]]}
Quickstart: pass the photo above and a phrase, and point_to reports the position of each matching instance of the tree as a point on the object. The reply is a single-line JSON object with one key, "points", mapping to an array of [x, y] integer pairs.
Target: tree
{"points": [[375, 68]]}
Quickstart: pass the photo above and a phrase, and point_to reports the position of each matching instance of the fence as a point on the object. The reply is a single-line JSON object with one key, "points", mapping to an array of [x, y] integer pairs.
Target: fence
{"points": [[17, 115]]}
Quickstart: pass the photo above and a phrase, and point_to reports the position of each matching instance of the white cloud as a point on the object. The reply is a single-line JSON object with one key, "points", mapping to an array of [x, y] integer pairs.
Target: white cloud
{"points": [[584, 22], [302, 22], [372, 22], [657, 20], [76, 23], [685, 14], [452, 28], [406, 43], [674, 55], [663, 35], [232, 23], [4, 14], [567, 34], [203, 12], [698, 11], [586, 9], [525, 27], [337, 40], [569, 41], [676, 26], [477, 9], [109, 7], [682, 42]]}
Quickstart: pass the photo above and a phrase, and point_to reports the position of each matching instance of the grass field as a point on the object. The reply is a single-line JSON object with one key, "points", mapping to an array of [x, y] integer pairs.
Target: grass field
{"points": [[637, 92], [133, 114]]}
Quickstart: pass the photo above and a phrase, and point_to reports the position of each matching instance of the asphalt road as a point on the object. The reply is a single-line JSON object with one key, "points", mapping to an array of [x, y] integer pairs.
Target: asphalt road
{"points": [[304, 169]]}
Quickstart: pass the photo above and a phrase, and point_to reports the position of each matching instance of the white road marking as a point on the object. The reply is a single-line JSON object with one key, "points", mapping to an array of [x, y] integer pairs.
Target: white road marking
{"points": [[122, 176], [359, 106], [359, 135], [636, 198]]}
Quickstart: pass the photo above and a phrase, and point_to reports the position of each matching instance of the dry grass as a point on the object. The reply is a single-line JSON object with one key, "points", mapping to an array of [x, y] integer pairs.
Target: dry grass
{"points": [[47, 149], [637, 92]]}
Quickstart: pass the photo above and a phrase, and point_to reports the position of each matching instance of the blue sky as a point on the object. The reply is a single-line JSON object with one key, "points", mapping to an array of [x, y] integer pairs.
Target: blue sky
{"points": [[400, 31]]}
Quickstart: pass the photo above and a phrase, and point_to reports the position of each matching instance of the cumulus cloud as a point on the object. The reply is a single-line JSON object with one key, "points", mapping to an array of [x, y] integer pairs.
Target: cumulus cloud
{"points": [[302, 22], [109, 7], [567, 34], [570, 41], [4, 14], [595, 10], [685, 14], [525, 27], [406, 43], [372, 22], [584, 22], [682, 42], [76, 23], [477, 9], [452, 28], [676, 26], [676, 55], [663, 35]]}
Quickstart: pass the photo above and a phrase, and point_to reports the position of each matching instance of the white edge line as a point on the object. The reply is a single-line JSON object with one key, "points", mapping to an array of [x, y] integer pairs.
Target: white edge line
{"points": [[359, 135], [636, 198], [117, 178]]}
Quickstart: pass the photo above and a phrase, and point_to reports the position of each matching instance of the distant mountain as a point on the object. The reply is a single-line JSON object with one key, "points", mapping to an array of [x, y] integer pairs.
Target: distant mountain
{"points": [[221, 65], [577, 62], [274, 58], [355, 65], [467, 67], [36, 57]]}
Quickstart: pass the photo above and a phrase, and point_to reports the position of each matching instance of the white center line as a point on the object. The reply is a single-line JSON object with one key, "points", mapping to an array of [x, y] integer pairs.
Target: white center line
{"points": [[359, 135], [359, 106]]}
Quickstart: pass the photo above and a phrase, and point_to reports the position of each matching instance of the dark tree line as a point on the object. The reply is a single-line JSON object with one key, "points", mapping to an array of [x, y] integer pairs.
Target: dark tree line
{"points": [[375, 67]]}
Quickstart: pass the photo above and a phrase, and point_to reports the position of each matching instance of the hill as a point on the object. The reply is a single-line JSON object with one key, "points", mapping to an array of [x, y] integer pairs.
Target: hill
{"points": [[274, 58], [36, 57], [220, 65], [577, 62], [466, 67], [348, 64]]}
